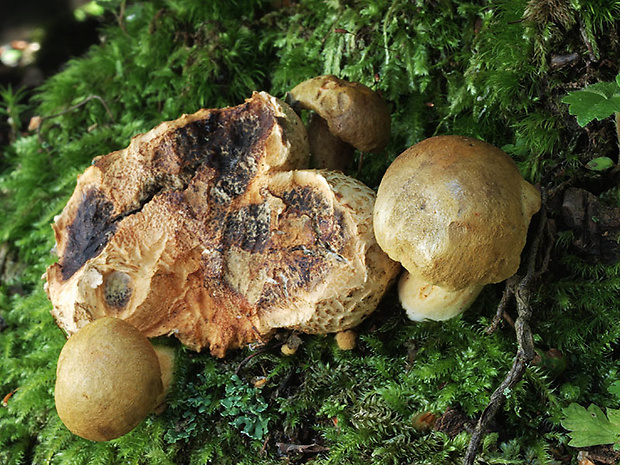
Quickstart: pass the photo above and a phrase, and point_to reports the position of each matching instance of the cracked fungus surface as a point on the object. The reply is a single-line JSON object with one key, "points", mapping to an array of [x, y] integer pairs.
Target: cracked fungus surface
{"points": [[209, 228]]}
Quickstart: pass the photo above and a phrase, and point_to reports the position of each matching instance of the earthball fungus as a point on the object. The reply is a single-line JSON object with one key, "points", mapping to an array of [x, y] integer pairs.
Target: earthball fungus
{"points": [[108, 379], [209, 228], [454, 211], [347, 115]]}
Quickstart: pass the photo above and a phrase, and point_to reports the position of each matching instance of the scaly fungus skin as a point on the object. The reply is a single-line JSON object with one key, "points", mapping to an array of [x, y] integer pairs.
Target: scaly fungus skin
{"points": [[210, 229], [454, 211], [108, 379]]}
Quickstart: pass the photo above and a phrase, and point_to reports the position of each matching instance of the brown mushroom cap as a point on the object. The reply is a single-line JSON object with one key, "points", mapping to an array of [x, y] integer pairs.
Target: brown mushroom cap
{"points": [[205, 228], [108, 379], [354, 113], [455, 211]]}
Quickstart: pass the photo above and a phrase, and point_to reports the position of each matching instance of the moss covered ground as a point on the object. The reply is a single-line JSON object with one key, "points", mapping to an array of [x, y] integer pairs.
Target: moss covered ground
{"points": [[496, 70]]}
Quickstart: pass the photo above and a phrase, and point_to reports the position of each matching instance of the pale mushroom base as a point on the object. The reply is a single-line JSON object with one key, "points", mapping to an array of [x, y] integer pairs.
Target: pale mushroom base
{"points": [[424, 301]]}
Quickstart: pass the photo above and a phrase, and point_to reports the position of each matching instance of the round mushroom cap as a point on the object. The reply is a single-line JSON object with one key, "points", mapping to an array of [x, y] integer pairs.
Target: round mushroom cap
{"points": [[346, 340], [108, 379], [456, 211], [354, 112], [422, 300]]}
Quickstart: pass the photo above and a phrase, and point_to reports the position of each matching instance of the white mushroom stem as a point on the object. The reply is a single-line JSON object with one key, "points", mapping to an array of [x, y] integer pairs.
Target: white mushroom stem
{"points": [[423, 300]]}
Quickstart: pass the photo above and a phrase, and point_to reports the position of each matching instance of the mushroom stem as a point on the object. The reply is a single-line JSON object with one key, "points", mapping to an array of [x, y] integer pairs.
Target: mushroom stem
{"points": [[327, 151], [167, 358], [423, 300]]}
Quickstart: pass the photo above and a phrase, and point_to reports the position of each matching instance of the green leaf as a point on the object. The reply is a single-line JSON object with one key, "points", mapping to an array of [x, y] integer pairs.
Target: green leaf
{"points": [[600, 164], [597, 101], [614, 389], [591, 427]]}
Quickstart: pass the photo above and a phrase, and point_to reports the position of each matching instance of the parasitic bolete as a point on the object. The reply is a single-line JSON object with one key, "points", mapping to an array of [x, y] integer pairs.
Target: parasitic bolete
{"points": [[347, 115], [209, 229], [109, 377], [454, 211]]}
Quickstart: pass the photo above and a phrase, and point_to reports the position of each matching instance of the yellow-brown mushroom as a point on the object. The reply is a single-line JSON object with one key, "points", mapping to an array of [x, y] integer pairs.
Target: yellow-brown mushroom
{"points": [[346, 115], [454, 211], [108, 379]]}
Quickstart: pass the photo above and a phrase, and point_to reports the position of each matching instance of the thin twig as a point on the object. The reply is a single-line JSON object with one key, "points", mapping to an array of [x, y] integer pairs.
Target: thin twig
{"points": [[501, 313], [120, 18], [259, 351], [521, 289], [73, 108]]}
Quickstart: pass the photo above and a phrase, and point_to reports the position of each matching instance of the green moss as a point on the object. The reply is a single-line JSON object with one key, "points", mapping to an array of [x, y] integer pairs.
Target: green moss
{"points": [[473, 68]]}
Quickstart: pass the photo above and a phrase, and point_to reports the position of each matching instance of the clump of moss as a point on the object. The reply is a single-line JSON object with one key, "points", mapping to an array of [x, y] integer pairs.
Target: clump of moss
{"points": [[483, 69]]}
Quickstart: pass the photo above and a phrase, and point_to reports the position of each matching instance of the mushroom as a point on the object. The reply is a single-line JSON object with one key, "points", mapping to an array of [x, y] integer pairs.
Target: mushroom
{"points": [[167, 358], [109, 377], [423, 300], [291, 345], [346, 340], [454, 211], [209, 229], [353, 114]]}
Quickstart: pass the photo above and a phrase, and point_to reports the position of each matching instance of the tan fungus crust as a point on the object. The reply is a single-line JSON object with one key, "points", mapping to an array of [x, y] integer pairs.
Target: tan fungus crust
{"points": [[208, 228]]}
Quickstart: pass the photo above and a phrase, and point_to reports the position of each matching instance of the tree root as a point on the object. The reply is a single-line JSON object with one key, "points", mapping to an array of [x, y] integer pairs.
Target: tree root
{"points": [[520, 289]]}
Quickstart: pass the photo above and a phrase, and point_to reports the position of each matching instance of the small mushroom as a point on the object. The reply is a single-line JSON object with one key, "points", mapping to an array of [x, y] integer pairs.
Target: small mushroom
{"points": [[109, 377], [291, 345], [346, 340], [353, 113], [454, 211]]}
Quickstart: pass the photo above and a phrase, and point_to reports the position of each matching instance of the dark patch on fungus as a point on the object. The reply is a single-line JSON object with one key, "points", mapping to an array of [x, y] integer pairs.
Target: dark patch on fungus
{"points": [[233, 153], [224, 140], [327, 222], [248, 228], [303, 200], [291, 270], [89, 232], [117, 289]]}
